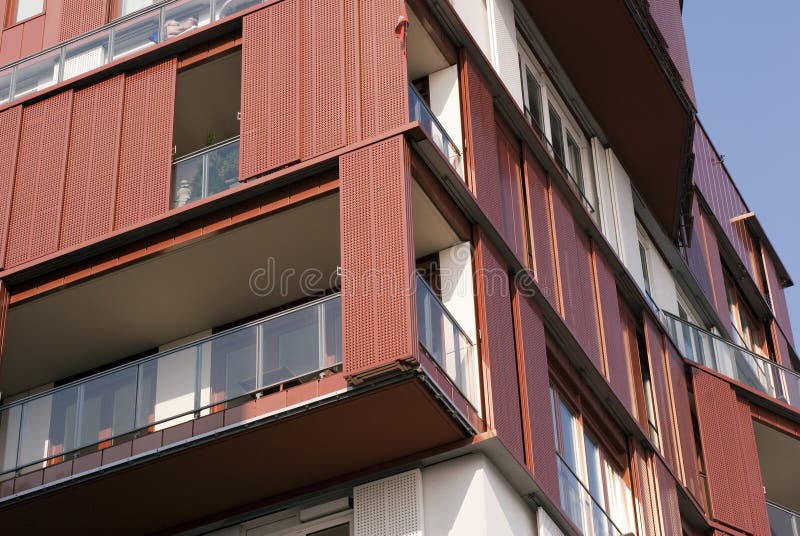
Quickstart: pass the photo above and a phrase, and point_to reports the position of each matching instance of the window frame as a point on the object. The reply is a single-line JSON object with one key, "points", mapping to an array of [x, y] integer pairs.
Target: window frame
{"points": [[11, 14]]}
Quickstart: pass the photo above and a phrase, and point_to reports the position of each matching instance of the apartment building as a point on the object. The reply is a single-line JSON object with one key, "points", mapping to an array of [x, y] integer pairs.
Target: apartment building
{"points": [[380, 267]]}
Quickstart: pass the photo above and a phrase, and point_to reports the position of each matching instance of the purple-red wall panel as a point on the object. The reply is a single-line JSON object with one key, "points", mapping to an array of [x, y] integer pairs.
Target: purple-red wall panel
{"points": [[534, 347], [501, 351], [10, 121], [323, 77], [377, 256], [509, 185], [384, 76], [540, 215], [145, 156], [92, 162], [270, 125], [39, 186], [667, 14]]}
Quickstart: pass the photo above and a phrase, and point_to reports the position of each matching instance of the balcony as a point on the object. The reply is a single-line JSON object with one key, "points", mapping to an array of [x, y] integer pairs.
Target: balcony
{"points": [[171, 387], [419, 111], [445, 341], [579, 505], [124, 36], [733, 361], [205, 172], [783, 522]]}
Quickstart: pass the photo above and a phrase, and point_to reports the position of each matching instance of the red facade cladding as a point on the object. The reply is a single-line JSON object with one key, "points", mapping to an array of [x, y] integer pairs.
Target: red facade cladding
{"points": [[645, 483], [683, 422], [352, 72], [588, 309], [661, 392], [270, 126], [534, 354], [382, 65], [510, 189], [668, 499], [145, 156], [498, 348], [713, 266], [667, 14], [618, 368], [92, 162], [696, 255], [377, 256], [731, 459], [81, 16], [10, 121], [481, 129], [322, 87], [541, 228], [778, 301], [39, 186], [5, 300]]}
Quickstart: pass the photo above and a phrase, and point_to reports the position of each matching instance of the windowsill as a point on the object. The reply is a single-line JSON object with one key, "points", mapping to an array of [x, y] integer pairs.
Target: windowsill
{"points": [[23, 21]]}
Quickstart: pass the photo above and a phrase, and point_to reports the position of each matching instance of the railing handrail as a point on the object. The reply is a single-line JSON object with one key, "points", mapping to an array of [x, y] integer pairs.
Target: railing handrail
{"points": [[783, 509], [159, 355], [435, 119], [731, 343], [444, 308], [589, 493], [207, 149]]}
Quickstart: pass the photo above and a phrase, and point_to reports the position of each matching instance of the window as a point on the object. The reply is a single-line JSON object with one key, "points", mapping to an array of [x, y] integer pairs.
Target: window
{"points": [[288, 524], [746, 329], [574, 164], [25, 9], [532, 92], [636, 350], [645, 271], [556, 135], [129, 6]]}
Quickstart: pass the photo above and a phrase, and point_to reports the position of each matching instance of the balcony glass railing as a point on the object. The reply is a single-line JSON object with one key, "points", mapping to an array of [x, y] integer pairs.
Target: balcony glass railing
{"points": [[205, 172], [443, 339], [734, 361], [126, 35], [783, 522], [171, 387], [579, 505], [419, 111]]}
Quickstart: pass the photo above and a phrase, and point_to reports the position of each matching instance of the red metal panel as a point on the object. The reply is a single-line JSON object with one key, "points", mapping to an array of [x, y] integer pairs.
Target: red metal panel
{"points": [[500, 352], [10, 121], [10, 44], [683, 422], [92, 162], [695, 254], [52, 23], [323, 77], [384, 76], [618, 372], [510, 187], [81, 16], [647, 493], [668, 500], [566, 252], [270, 126], [715, 269], [778, 300], [667, 14], [540, 213], [352, 72], [661, 392], [5, 299], [377, 256], [587, 305], [32, 35], [145, 155], [534, 346], [754, 488], [39, 186]]}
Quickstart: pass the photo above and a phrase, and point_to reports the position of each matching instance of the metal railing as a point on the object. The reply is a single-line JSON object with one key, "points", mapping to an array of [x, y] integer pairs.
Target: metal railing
{"points": [[782, 521], [123, 36], [448, 345], [171, 387], [419, 111], [205, 172], [733, 361], [579, 505]]}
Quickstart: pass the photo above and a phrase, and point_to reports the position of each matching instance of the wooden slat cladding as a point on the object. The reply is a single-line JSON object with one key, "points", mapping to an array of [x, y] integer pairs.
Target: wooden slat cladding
{"points": [[377, 257], [39, 185], [145, 159]]}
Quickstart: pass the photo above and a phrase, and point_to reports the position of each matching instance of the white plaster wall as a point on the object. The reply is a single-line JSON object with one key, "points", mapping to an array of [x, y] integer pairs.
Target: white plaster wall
{"points": [[458, 294], [607, 220], [474, 15], [547, 527], [625, 219], [446, 102], [662, 283], [505, 56], [468, 495]]}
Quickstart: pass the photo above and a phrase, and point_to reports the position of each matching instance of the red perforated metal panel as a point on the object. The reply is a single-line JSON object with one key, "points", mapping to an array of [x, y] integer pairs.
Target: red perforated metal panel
{"points": [[81, 16], [322, 86], [352, 72], [500, 351], [646, 484], [509, 186], [778, 300], [39, 184], [377, 256], [668, 500], [661, 392], [618, 370], [4, 302], [270, 126], [695, 254], [587, 313], [145, 156], [384, 76], [92, 162], [566, 253], [540, 215], [667, 14], [10, 121], [715, 269], [534, 349], [754, 488], [683, 422]]}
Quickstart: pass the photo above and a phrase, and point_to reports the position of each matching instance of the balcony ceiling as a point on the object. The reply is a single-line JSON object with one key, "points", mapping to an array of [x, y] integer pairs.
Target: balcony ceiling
{"points": [[617, 75], [183, 291]]}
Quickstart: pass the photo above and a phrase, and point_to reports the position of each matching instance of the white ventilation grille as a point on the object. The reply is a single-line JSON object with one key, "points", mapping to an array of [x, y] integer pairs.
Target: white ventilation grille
{"points": [[389, 507]]}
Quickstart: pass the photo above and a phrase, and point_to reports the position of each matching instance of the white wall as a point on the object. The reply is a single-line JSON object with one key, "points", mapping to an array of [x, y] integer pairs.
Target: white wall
{"points": [[176, 377], [458, 294], [505, 56], [547, 527], [474, 15], [662, 283], [625, 218], [446, 102], [468, 495]]}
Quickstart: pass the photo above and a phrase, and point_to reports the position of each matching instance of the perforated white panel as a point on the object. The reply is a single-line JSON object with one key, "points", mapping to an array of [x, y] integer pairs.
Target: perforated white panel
{"points": [[505, 56], [389, 507]]}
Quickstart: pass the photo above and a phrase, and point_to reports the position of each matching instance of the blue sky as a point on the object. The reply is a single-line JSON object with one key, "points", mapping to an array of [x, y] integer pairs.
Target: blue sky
{"points": [[745, 60]]}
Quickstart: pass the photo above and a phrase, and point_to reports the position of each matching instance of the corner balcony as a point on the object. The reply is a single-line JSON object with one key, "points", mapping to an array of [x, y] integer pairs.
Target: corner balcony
{"points": [[735, 362], [206, 172], [421, 112]]}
